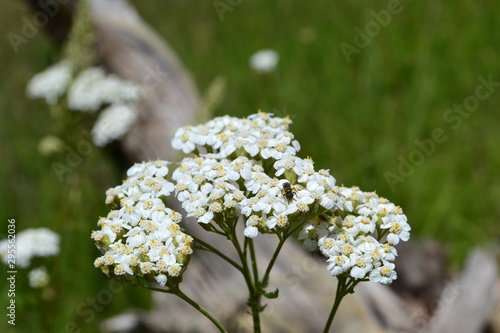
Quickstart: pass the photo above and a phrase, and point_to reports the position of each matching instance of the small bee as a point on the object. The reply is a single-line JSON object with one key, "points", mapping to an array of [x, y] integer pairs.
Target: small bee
{"points": [[288, 192]]}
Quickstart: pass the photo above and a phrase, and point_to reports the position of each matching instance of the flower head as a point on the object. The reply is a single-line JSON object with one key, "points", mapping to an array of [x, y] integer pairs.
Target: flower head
{"points": [[141, 237], [31, 243], [38, 277], [113, 123], [92, 88], [264, 61], [250, 161], [358, 235], [51, 83], [258, 136]]}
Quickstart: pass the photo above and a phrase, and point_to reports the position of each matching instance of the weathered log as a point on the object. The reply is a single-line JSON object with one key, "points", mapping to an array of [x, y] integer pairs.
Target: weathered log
{"points": [[467, 302], [129, 47]]}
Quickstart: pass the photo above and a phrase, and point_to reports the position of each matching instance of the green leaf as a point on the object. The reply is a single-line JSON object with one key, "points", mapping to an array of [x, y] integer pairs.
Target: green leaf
{"points": [[272, 294]]}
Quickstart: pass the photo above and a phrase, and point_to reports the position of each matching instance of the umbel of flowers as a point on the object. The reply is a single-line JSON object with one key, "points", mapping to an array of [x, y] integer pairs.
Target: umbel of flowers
{"points": [[29, 246], [141, 238], [250, 160], [247, 171], [75, 84]]}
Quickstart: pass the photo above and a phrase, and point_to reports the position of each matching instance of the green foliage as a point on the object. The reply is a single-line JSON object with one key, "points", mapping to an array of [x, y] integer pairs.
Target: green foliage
{"points": [[78, 49], [356, 118]]}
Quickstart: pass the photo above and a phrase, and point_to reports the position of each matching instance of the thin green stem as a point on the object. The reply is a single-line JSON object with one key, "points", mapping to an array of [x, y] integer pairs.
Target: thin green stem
{"points": [[200, 309], [345, 286], [210, 248], [254, 297], [339, 294], [217, 231], [176, 291], [299, 225], [253, 258], [265, 278], [245, 247], [282, 239]]}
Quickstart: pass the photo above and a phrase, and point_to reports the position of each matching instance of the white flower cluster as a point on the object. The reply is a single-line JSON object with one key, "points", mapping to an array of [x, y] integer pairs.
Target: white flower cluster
{"points": [[247, 170], [141, 237], [251, 162], [259, 134], [91, 90], [51, 83], [38, 277], [113, 123], [264, 61], [31, 243], [349, 236]]}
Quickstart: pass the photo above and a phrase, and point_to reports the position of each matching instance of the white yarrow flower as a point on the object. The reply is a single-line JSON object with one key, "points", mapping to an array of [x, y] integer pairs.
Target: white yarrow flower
{"points": [[264, 61], [142, 237], [93, 88], [384, 274], [31, 243], [350, 243], [38, 277], [85, 93], [113, 123], [51, 83]]}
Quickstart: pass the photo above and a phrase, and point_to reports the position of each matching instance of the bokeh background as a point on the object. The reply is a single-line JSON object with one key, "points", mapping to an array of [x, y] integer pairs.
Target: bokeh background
{"points": [[358, 116]]}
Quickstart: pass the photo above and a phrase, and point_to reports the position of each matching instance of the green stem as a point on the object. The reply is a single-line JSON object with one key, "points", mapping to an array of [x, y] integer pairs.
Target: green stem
{"points": [[381, 233], [265, 278], [201, 309], [210, 248], [282, 239], [277, 251], [256, 307], [299, 225], [176, 291], [339, 294], [254, 297], [345, 286], [253, 259]]}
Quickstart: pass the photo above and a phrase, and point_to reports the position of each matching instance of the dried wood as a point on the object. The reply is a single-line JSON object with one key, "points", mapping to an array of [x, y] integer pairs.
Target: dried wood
{"points": [[466, 304], [129, 47]]}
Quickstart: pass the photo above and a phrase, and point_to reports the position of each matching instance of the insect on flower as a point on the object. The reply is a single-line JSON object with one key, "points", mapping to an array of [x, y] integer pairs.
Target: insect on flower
{"points": [[288, 192]]}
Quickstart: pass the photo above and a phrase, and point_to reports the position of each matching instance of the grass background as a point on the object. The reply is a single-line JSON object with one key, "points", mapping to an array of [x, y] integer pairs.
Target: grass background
{"points": [[356, 118]]}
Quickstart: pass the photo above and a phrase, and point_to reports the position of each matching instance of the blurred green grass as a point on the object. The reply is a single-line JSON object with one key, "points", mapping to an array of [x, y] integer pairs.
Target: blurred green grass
{"points": [[355, 118]]}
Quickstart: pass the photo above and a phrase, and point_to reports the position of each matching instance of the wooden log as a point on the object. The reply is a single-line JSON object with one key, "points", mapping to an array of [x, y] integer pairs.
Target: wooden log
{"points": [[129, 47], [466, 303]]}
